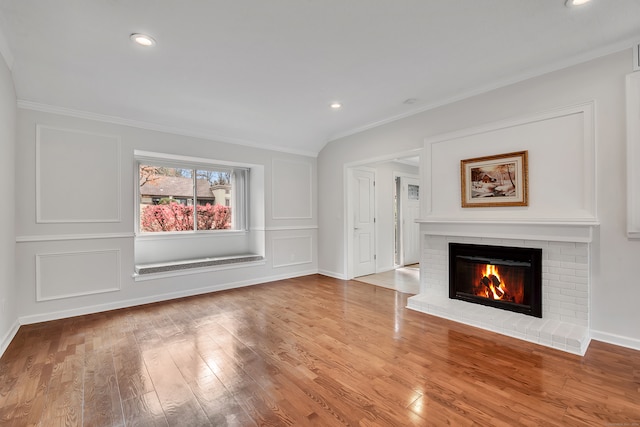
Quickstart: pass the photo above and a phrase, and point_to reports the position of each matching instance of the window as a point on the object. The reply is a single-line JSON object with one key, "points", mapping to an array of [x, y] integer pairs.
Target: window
{"points": [[413, 192], [177, 197]]}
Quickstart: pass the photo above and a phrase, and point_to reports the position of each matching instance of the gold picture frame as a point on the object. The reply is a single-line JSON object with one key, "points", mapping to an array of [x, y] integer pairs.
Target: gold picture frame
{"points": [[500, 180]]}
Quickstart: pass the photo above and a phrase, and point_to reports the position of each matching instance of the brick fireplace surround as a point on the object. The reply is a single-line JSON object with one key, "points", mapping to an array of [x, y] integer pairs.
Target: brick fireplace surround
{"points": [[566, 273]]}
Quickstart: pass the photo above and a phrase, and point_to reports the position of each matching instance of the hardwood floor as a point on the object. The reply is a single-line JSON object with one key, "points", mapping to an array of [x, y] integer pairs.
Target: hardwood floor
{"points": [[305, 351]]}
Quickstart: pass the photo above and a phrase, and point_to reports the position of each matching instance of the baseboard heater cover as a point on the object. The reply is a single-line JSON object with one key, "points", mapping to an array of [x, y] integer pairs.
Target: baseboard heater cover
{"points": [[195, 263]]}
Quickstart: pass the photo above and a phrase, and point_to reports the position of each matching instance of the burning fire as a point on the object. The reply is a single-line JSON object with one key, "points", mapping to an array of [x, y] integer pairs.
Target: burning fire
{"points": [[493, 287]]}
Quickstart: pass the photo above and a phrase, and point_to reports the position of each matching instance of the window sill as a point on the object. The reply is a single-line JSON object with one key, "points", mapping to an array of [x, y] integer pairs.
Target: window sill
{"points": [[171, 235], [177, 268]]}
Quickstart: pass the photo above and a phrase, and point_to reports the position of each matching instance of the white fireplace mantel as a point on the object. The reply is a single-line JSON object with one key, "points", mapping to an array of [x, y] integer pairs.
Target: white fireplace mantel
{"points": [[566, 273], [560, 230], [561, 219]]}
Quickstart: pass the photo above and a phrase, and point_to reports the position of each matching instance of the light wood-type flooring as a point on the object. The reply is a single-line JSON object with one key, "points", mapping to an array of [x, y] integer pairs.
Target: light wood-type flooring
{"points": [[305, 351], [402, 279]]}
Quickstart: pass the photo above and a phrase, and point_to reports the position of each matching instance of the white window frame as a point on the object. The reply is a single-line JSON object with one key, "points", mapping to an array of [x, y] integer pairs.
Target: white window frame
{"points": [[239, 182]]}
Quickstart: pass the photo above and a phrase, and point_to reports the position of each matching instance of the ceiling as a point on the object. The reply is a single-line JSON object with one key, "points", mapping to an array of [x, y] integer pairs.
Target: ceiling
{"points": [[263, 73]]}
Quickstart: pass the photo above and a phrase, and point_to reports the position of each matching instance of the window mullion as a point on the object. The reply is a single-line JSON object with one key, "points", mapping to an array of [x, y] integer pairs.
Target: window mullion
{"points": [[195, 199]]}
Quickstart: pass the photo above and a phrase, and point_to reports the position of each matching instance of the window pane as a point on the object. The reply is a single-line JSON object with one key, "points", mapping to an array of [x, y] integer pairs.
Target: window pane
{"points": [[214, 197], [414, 192], [166, 198]]}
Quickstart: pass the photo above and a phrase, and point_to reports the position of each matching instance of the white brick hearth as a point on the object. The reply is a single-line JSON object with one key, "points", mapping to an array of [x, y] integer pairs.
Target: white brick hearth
{"points": [[565, 285]]}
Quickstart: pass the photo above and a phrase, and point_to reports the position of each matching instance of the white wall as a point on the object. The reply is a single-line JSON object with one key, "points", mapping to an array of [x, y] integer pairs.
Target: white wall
{"points": [[615, 289], [83, 262], [561, 167], [8, 313]]}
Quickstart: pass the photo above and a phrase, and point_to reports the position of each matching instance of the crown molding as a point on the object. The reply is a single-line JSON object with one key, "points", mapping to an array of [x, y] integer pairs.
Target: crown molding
{"points": [[536, 72], [63, 111]]}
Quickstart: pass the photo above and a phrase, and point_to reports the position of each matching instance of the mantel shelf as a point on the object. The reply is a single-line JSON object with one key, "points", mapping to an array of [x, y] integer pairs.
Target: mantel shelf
{"points": [[563, 230], [577, 222]]}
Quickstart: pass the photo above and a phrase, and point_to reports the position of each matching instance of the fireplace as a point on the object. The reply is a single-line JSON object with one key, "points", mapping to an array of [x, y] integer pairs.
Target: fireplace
{"points": [[509, 278]]}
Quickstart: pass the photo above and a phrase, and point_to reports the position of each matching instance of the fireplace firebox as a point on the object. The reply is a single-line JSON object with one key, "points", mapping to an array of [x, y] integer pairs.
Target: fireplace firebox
{"points": [[509, 278]]}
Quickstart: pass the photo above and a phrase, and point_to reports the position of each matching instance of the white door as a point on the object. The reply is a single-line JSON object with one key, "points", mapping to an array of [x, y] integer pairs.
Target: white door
{"points": [[410, 212], [363, 196]]}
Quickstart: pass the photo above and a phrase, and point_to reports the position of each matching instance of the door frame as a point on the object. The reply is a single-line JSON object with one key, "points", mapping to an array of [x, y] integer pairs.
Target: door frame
{"points": [[347, 176], [400, 226]]}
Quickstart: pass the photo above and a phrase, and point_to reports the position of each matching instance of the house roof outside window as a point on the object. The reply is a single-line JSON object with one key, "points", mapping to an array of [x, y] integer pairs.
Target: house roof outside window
{"points": [[178, 187]]}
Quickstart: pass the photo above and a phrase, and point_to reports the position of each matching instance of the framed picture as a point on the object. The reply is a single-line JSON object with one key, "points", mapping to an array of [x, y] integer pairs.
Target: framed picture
{"points": [[499, 180]]}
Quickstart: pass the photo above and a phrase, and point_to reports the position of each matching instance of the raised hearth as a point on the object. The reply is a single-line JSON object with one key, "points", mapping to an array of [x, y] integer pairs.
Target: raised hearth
{"points": [[565, 271]]}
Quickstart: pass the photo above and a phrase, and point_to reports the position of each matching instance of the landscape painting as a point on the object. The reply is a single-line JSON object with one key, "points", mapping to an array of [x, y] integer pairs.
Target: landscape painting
{"points": [[499, 180]]}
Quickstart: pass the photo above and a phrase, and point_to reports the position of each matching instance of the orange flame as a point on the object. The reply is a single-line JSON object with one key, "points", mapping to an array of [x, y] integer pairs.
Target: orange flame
{"points": [[493, 270]]}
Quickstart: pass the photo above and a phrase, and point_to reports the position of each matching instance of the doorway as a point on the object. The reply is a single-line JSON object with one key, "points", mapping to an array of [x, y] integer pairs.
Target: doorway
{"points": [[363, 227], [370, 208], [407, 210]]}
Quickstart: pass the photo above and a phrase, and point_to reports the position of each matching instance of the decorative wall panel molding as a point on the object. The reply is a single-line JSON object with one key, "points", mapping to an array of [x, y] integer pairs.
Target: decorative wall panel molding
{"points": [[45, 316], [291, 189], [77, 176], [72, 274], [63, 237], [288, 251], [562, 165], [633, 155], [291, 227]]}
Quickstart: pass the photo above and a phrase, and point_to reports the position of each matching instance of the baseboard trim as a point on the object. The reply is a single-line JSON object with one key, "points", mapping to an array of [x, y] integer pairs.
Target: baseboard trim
{"points": [[614, 339], [45, 317], [333, 274], [6, 340]]}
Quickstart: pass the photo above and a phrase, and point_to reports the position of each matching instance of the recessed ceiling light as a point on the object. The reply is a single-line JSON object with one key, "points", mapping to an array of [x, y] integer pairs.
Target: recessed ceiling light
{"points": [[336, 105], [142, 39], [571, 3]]}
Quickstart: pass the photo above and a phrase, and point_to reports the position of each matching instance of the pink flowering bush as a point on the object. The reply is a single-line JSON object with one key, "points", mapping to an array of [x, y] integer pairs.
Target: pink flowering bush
{"points": [[179, 217], [216, 217]]}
